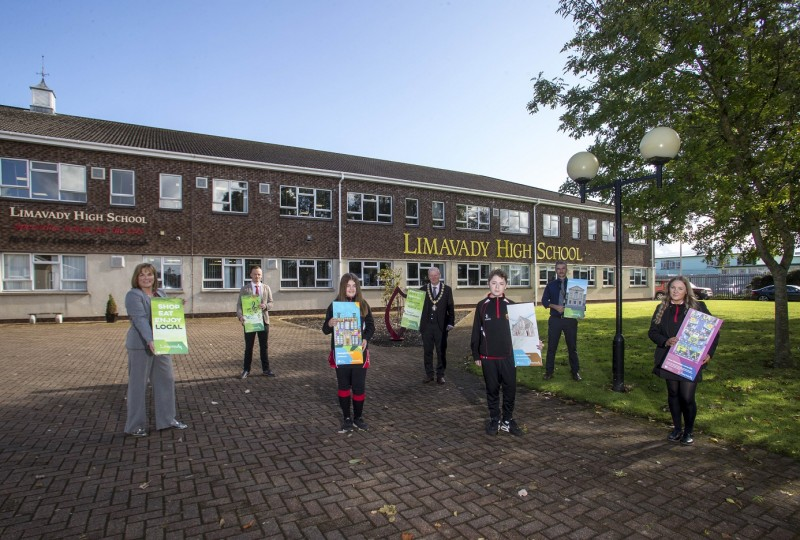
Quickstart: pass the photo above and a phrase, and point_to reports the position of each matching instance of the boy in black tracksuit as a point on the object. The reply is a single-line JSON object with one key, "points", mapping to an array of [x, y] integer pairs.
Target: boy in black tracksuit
{"points": [[492, 350]]}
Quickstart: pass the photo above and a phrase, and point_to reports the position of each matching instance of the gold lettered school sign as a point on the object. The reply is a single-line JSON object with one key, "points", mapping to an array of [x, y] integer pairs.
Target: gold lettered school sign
{"points": [[485, 249], [558, 253]]}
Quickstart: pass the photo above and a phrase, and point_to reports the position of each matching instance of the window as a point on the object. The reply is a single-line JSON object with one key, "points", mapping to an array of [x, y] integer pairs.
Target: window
{"points": [[473, 275], [412, 212], [438, 215], [549, 225], [547, 273], [576, 228], [638, 236], [26, 272], [519, 275], [47, 181], [670, 265], [584, 272], [608, 277], [169, 271], [638, 276], [591, 225], [171, 194], [417, 273], [98, 173], [366, 207], [608, 231], [230, 196], [514, 221], [306, 273], [227, 273], [122, 188], [475, 218], [306, 202], [368, 271]]}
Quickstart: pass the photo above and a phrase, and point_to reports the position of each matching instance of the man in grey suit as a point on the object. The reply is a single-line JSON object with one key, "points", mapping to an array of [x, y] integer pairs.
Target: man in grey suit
{"points": [[264, 295]]}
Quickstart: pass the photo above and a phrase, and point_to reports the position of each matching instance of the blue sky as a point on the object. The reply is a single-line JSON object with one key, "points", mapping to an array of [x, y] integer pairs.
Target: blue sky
{"points": [[436, 83]]}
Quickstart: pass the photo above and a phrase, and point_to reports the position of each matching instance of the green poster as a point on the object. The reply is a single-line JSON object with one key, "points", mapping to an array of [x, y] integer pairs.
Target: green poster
{"points": [[251, 311], [169, 326], [412, 312]]}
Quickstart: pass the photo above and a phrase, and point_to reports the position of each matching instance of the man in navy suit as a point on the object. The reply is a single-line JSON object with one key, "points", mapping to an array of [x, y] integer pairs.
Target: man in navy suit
{"points": [[555, 298], [438, 317]]}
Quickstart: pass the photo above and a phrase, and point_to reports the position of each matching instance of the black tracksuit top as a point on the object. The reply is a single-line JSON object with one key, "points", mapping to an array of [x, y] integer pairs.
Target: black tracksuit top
{"points": [[491, 333]]}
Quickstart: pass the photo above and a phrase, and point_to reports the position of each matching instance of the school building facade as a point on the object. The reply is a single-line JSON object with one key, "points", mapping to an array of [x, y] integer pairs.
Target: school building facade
{"points": [[82, 201]]}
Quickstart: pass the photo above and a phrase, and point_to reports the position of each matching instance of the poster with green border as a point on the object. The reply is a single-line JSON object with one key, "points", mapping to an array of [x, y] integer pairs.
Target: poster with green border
{"points": [[412, 311], [169, 326], [251, 311]]}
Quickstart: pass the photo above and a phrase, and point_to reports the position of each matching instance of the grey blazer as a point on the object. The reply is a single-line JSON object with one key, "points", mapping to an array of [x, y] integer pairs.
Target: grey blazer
{"points": [[137, 304], [266, 298]]}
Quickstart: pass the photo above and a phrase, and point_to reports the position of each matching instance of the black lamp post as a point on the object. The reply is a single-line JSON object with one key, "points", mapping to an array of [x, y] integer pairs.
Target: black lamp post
{"points": [[658, 146]]}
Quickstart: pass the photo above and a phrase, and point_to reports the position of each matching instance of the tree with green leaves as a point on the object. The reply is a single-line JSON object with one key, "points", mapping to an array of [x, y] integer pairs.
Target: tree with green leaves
{"points": [[726, 77]]}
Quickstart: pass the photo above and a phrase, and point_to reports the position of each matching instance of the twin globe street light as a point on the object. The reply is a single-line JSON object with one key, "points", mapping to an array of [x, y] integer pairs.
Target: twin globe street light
{"points": [[657, 147]]}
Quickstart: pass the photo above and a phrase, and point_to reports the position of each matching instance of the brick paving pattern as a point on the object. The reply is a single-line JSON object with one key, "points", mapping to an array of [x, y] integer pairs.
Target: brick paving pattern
{"points": [[262, 458]]}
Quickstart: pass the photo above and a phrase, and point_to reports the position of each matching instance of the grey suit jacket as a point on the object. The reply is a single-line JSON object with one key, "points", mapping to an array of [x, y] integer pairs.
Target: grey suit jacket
{"points": [[266, 298], [137, 304]]}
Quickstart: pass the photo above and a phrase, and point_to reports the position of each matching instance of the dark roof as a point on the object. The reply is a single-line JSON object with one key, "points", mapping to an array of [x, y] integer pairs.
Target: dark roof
{"points": [[91, 130]]}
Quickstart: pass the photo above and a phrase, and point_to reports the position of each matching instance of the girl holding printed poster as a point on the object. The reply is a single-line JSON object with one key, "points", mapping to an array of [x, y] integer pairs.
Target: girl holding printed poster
{"points": [[351, 378], [664, 327]]}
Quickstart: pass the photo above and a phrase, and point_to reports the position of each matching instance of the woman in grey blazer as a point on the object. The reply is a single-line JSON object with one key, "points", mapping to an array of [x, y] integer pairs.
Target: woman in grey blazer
{"points": [[143, 363]]}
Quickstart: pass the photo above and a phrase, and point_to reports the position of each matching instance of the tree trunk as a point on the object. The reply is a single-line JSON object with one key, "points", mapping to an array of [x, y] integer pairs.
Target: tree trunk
{"points": [[783, 349]]}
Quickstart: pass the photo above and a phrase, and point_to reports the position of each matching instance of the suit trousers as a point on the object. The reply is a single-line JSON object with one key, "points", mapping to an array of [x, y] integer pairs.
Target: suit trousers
{"points": [[555, 326], [249, 342], [497, 374], [434, 337], [143, 366]]}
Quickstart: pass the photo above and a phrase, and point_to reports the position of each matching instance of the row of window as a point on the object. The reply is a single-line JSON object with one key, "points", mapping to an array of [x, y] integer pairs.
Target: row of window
{"points": [[551, 226], [45, 272]]}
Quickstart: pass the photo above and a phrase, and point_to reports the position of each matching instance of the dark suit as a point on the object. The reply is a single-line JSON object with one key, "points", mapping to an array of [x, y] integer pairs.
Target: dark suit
{"points": [[558, 324], [433, 327]]}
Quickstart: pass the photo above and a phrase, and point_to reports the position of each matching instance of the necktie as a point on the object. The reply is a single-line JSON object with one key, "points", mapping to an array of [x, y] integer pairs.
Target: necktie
{"points": [[563, 299], [257, 293], [435, 292]]}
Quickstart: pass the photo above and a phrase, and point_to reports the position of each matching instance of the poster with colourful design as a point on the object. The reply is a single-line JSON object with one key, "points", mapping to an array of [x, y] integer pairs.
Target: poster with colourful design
{"points": [[169, 326], [575, 307], [412, 311], [524, 335], [347, 333], [695, 338], [251, 312]]}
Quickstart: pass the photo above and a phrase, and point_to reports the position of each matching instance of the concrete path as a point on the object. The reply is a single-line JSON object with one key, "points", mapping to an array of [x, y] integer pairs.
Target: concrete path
{"points": [[262, 458]]}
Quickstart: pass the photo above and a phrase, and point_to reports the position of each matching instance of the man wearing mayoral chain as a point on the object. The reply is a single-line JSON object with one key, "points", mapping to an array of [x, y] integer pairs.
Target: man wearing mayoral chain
{"points": [[438, 317]]}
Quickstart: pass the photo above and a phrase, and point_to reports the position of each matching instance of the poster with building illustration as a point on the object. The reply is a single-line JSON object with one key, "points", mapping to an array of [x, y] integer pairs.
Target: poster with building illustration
{"points": [[524, 335], [347, 333], [695, 338], [575, 307]]}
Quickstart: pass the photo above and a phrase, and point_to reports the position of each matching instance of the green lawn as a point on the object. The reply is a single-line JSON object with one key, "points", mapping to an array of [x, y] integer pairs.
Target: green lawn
{"points": [[739, 400]]}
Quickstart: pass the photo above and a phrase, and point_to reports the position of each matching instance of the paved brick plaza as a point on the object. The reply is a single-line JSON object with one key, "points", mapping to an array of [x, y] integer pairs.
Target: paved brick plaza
{"points": [[268, 463]]}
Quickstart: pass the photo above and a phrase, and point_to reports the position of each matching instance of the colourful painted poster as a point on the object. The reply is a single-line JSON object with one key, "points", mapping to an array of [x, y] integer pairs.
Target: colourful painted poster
{"points": [[524, 335], [412, 311], [695, 338], [169, 326], [251, 311], [347, 333], [575, 308]]}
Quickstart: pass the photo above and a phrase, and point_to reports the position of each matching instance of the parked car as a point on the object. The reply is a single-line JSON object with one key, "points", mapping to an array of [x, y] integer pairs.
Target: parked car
{"points": [[731, 289], [701, 293], [768, 293]]}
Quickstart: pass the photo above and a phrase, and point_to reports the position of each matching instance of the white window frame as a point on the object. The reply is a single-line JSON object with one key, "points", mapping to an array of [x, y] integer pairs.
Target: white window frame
{"points": [[609, 231], [436, 222], [167, 266], [547, 273], [368, 272], [369, 207], [472, 274], [120, 196], [608, 276], [201, 182], [67, 181], [321, 273], [234, 272], [417, 273], [576, 228], [584, 272], [170, 201], [98, 173], [473, 217], [633, 234], [515, 221], [412, 217], [221, 186], [307, 203], [519, 275], [62, 272], [550, 225], [638, 277], [591, 229]]}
